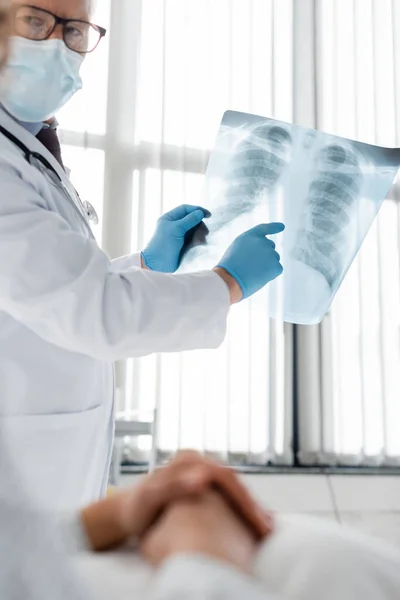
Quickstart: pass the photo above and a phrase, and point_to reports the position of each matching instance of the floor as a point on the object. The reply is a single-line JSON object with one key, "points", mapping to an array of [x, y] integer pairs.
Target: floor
{"points": [[370, 503]]}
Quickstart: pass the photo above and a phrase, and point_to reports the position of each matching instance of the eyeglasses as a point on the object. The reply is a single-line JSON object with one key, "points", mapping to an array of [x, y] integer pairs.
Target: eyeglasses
{"points": [[38, 24]]}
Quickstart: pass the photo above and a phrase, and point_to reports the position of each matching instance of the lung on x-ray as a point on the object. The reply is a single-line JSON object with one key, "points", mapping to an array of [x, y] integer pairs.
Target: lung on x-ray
{"points": [[327, 190]]}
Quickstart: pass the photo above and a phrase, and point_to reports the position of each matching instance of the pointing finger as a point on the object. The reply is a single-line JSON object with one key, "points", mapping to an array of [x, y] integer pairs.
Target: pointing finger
{"points": [[268, 228]]}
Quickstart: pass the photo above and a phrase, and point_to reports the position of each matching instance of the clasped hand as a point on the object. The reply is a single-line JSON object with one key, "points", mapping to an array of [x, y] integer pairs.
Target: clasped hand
{"points": [[194, 505]]}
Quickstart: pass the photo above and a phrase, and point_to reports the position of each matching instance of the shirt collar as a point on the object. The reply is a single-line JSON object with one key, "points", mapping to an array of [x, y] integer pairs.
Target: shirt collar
{"points": [[33, 128]]}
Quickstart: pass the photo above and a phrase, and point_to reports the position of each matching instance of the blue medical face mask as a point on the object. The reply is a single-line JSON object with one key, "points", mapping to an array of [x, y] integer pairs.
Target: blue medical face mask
{"points": [[39, 79]]}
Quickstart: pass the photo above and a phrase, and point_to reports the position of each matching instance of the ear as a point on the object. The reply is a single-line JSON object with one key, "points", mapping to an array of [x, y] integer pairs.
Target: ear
{"points": [[4, 32]]}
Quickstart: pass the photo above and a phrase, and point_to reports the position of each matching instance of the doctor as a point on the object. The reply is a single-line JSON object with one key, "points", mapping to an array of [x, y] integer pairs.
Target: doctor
{"points": [[66, 311]]}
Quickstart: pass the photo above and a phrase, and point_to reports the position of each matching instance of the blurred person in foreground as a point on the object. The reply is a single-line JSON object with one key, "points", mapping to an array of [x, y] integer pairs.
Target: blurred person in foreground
{"points": [[188, 531], [41, 552]]}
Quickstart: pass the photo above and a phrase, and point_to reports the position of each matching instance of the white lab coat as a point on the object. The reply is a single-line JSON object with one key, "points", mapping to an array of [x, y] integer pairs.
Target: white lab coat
{"points": [[66, 313]]}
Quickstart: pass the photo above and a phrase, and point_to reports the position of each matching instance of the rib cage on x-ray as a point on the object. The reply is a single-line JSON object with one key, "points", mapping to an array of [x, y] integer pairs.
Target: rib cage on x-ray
{"points": [[258, 162], [326, 189], [331, 199]]}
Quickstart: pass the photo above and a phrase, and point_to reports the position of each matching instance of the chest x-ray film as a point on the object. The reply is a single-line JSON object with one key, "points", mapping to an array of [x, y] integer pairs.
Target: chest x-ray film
{"points": [[327, 190]]}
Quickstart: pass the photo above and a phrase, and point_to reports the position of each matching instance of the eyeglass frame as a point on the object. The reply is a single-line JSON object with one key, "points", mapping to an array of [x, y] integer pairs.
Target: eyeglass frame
{"points": [[62, 21]]}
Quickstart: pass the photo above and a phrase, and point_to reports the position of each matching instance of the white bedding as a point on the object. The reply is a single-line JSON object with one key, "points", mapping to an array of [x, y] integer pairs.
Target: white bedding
{"points": [[306, 559]]}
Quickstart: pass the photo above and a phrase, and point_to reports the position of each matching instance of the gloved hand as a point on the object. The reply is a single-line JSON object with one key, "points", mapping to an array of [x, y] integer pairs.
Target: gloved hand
{"points": [[163, 252], [252, 260]]}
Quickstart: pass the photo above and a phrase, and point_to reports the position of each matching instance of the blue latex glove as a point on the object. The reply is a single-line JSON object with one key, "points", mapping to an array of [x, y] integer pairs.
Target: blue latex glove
{"points": [[163, 252], [252, 259]]}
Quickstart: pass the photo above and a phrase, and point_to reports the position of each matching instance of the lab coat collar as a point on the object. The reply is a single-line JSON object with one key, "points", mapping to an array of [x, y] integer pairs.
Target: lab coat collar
{"points": [[30, 141]]}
